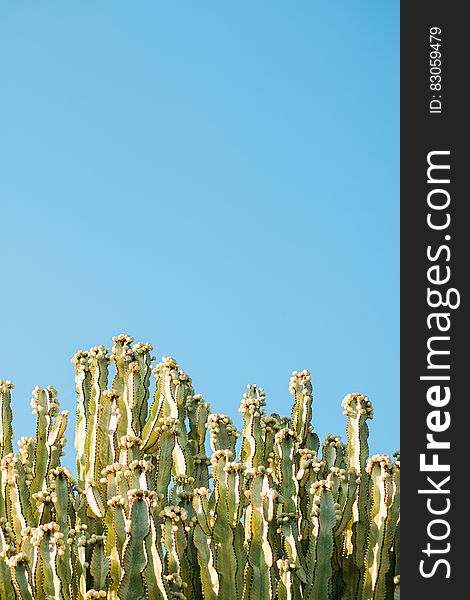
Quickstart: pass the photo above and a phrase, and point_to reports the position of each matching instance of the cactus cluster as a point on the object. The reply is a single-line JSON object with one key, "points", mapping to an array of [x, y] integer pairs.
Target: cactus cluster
{"points": [[150, 515]]}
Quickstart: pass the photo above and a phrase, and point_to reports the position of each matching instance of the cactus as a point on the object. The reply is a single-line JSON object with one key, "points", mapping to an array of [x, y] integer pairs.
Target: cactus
{"points": [[276, 515]]}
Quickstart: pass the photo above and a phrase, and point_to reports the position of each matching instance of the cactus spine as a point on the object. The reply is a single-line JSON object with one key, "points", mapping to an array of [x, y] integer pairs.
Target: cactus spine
{"points": [[150, 516]]}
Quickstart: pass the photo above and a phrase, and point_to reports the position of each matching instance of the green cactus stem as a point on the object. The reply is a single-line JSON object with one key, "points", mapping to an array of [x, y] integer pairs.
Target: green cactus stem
{"points": [[158, 512]]}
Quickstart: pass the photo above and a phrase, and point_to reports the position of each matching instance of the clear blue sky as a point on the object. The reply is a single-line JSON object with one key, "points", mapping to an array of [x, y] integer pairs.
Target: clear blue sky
{"points": [[218, 178]]}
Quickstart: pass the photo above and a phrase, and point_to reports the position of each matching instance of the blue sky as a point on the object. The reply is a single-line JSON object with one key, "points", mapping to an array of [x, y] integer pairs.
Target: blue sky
{"points": [[218, 178]]}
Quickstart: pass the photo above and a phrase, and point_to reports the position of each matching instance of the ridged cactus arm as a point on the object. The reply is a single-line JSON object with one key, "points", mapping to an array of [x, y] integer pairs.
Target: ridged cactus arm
{"points": [[338, 483], [235, 483], [396, 553], [61, 494], [44, 507], [270, 425], [99, 563], [21, 577], [180, 575], [6, 418], [313, 442], [378, 469], [122, 489], [222, 432], [23, 481], [334, 480], [325, 516], [56, 436], [383, 521], [144, 358], [183, 463], [57, 452], [181, 389], [114, 562], [155, 568], [130, 449], [164, 374], [341, 453], [133, 397], [300, 387], [132, 585], [48, 539], [27, 549], [169, 411], [107, 427], [109, 479], [16, 493], [226, 561], [310, 532], [56, 441], [98, 365], [306, 475], [95, 506], [270, 509], [183, 493], [115, 520], [349, 490], [78, 542], [393, 534], [176, 465], [26, 453], [6, 447], [358, 409], [167, 516], [258, 578], [139, 475], [252, 449], [122, 355], [150, 434], [306, 460], [285, 450], [198, 412], [163, 447], [45, 406], [332, 453], [202, 511], [6, 552], [83, 389], [396, 517], [174, 389], [37, 571], [204, 546]]}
